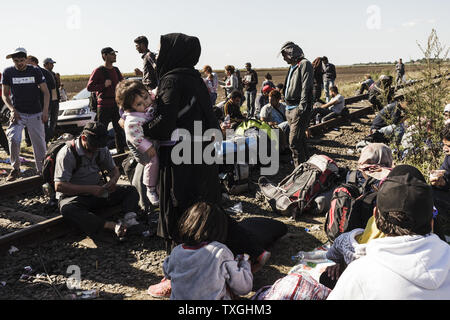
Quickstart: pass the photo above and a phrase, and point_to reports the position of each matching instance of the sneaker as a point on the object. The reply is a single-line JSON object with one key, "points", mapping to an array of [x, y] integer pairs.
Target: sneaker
{"points": [[261, 261], [13, 175], [153, 198], [160, 290]]}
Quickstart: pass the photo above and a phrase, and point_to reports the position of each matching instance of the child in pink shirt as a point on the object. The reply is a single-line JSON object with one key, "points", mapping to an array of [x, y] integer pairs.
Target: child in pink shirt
{"points": [[136, 102]]}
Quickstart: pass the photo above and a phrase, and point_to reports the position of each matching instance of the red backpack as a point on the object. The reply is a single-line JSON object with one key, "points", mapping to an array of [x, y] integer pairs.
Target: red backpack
{"points": [[295, 193]]}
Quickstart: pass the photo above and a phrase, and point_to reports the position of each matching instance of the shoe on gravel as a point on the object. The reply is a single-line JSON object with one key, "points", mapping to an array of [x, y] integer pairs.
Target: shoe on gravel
{"points": [[161, 290]]}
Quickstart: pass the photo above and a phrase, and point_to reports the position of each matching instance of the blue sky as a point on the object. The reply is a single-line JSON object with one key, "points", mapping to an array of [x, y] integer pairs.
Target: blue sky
{"points": [[230, 31]]}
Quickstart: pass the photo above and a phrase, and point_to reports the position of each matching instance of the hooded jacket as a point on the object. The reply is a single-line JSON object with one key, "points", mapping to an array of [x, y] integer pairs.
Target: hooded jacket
{"points": [[179, 82], [398, 268]]}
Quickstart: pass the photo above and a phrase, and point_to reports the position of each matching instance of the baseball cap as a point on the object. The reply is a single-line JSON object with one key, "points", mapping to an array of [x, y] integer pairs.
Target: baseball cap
{"points": [[18, 50], [49, 60], [405, 190], [447, 108], [376, 160], [267, 89], [108, 50], [96, 134]]}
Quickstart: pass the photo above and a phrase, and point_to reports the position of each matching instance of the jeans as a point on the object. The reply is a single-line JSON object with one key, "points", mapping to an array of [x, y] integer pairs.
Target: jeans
{"points": [[298, 123], [319, 113], [50, 126], [213, 96], [77, 210], [250, 96], [37, 135], [327, 84], [111, 114]]}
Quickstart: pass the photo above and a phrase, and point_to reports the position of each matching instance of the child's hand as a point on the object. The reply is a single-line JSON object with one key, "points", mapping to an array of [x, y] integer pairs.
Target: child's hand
{"points": [[151, 152]]}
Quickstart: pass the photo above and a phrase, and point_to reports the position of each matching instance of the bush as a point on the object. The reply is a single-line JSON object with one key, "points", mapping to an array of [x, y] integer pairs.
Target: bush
{"points": [[424, 112]]}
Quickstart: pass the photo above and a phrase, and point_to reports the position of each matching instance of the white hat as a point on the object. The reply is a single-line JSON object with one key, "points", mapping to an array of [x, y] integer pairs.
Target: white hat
{"points": [[18, 50], [447, 108]]}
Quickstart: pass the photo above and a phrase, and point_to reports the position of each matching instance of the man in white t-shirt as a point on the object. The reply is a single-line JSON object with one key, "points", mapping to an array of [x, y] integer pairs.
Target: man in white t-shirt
{"points": [[331, 109]]}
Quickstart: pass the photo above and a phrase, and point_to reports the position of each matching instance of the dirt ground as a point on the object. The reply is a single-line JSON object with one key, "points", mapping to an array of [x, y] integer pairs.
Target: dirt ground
{"points": [[124, 271]]}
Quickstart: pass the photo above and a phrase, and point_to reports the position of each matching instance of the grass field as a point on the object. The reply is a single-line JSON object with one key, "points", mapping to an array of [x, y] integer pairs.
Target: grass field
{"points": [[348, 77]]}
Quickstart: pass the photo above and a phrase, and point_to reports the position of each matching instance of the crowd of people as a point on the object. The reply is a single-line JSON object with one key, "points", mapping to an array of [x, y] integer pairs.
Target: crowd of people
{"points": [[211, 255]]}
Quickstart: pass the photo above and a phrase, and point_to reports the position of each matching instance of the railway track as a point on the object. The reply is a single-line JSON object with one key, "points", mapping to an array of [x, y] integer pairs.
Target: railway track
{"points": [[55, 227], [45, 229]]}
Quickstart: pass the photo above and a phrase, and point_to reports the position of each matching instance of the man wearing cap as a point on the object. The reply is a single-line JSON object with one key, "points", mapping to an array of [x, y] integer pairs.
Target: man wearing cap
{"points": [[298, 96], [103, 81], [149, 78], [250, 81], [409, 262], [80, 187], [49, 64], [262, 100], [21, 88]]}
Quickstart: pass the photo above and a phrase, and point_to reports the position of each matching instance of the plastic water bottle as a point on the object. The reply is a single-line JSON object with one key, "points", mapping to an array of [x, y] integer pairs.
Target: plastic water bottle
{"points": [[317, 256], [227, 121]]}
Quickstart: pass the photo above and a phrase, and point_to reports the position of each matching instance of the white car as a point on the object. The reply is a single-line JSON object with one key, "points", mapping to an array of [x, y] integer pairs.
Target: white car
{"points": [[75, 113]]}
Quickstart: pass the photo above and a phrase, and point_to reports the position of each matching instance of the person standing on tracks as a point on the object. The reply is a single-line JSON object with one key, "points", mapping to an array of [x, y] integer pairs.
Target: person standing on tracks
{"points": [[149, 78], [298, 94], [329, 77], [81, 189], [103, 81], [400, 69], [250, 81], [183, 102], [51, 85], [21, 88], [49, 64], [318, 79]]}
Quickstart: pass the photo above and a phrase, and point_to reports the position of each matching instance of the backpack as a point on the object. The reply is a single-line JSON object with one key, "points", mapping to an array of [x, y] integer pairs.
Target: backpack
{"points": [[351, 207], [49, 163], [93, 103], [295, 193], [294, 286], [235, 178]]}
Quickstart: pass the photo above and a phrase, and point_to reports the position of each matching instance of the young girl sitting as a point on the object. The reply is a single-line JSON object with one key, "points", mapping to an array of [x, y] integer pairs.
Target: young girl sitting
{"points": [[203, 268], [136, 102]]}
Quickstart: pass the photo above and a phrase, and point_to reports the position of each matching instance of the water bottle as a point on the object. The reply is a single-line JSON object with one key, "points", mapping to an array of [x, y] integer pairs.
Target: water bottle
{"points": [[317, 256]]}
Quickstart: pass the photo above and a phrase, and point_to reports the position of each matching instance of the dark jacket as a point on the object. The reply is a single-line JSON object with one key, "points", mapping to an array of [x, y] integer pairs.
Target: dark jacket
{"points": [[179, 82], [330, 72], [149, 78], [251, 86], [181, 185], [300, 87]]}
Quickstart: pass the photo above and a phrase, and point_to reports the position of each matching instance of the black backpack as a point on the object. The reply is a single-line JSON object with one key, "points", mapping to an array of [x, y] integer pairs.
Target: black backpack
{"points": [[351, 206], [48, 168], [93, 103]]}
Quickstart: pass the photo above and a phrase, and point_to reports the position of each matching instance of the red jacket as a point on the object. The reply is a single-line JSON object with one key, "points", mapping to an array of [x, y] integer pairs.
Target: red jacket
{"points": [[105, 96]]}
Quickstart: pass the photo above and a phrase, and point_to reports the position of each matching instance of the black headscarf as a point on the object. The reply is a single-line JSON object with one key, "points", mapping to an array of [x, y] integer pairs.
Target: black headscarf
{"points": [[177, 51]]}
